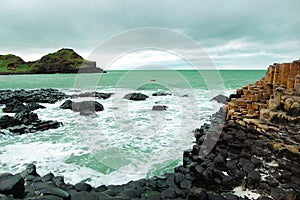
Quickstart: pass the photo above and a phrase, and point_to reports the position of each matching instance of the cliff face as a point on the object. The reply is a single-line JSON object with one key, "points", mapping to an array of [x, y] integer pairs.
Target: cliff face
{"points": [[62, 61], [270, 104]]}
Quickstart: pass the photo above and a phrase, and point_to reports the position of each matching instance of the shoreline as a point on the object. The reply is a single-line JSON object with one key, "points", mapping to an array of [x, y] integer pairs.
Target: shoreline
{"points": [[260, 154]]}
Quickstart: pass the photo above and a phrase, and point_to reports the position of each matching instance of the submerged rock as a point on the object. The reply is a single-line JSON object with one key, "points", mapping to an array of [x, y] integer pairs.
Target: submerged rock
{"points": [[159, 108]]}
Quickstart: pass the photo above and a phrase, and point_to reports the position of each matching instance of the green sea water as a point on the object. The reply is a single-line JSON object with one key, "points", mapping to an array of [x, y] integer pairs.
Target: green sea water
{"points": [[127, 140], [231, 78]]}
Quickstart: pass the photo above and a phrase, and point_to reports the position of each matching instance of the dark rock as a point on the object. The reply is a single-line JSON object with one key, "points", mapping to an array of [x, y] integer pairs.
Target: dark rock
{"points": [[185, 184], [47, 177], [101, 188], [83, 107], [14, 107], [83, 187], [12, 185], [33, 106], [272, 181], [86, 196], [160, 94], [248, 167], [8, 121], [56, 192], [277, 193], [26, 117], [159, 108], [220, 99], [168, 193], [253, 176], [129, 194], [30, 170], [136, 96]]}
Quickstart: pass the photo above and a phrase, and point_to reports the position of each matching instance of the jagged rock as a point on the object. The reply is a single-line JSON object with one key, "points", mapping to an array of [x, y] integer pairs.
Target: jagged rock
{"points": [[14, 107], [136, 96], [220, 99]]}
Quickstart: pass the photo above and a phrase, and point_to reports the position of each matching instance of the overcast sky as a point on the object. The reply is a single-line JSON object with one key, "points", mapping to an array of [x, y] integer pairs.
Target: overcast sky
{"points": [[247, 34]]}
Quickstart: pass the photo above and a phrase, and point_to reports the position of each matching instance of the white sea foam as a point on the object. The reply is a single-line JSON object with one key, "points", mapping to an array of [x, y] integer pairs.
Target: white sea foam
{"points": [[126, 141]]}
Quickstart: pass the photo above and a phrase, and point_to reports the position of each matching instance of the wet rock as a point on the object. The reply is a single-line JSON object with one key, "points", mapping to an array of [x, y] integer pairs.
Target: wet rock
{"points": [[168, 193], [129, 194], [87, 196], [56, 192], [7, 121], [136, 96], [34, 106], [161, 94], [14, 107], [84, 107], [220, 99], [159, 108], [83, 187], [12, 185], [26, 117]]}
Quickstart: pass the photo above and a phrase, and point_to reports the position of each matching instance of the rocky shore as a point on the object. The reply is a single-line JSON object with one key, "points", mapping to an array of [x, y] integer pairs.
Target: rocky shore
{"points": [[256, 147]]}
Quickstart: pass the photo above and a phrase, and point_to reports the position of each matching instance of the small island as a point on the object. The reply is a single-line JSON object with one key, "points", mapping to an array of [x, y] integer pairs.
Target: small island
{"points": [[63, 61]]}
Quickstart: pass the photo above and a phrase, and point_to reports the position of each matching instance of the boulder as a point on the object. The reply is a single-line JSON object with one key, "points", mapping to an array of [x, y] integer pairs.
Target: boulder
{"points": [[136, 96], [84, 107], [220, 99], [12, 185]]}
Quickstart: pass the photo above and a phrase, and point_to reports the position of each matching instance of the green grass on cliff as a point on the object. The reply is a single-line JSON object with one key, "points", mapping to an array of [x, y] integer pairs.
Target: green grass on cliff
{"points": [[10, 64]]}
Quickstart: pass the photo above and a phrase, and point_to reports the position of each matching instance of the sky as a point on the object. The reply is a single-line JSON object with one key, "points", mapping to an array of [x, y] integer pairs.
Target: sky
{"points": [[235, 34]]}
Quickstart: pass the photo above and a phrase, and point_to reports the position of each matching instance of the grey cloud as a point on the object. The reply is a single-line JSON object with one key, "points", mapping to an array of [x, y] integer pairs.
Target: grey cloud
{"points": [[45, 24]]}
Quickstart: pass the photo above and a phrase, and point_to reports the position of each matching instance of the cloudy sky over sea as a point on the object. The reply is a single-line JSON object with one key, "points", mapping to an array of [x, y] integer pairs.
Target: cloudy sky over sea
{"points": [[248, 34]]}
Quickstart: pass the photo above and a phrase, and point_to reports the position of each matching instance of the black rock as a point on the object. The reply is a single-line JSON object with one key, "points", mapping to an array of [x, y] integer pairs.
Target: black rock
{"points": [[168, 193], [83, 187], [160, 94], [83, 107], [129, 194], [8, 121], [159, 108], [56, 192], [47, 177], [86, 196], [253, 176], [12, 185], [136, 96], [220, 99], [33, 106], [14, 107], [248, 167], [26, 117]]}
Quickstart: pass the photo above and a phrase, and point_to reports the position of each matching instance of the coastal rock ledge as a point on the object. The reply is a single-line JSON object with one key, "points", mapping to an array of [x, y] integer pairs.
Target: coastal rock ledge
{"points": [[255, 139]]}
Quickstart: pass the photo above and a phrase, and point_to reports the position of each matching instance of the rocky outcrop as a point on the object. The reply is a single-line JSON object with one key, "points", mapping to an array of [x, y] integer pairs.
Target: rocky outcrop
{"points": [[62, 61], [87, 108], [271, 106], [136, 96]]}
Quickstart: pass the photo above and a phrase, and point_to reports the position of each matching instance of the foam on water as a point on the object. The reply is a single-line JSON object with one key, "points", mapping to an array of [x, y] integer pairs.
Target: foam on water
{"points": [[126, 141]]}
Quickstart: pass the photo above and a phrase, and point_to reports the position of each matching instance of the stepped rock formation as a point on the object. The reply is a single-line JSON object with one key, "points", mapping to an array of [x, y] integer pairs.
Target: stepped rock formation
{"points": [[270, 103]]}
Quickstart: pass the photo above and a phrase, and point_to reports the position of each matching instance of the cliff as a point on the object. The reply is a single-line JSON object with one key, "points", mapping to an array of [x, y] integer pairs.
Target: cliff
{"points": [[62, 61]]}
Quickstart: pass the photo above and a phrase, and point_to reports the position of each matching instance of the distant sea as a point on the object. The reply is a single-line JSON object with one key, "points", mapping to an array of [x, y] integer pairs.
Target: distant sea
{"points": [[127, 140]]}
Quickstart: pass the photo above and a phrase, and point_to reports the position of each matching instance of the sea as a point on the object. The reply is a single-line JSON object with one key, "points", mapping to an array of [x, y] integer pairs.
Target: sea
{"points": [[128, 140]]}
